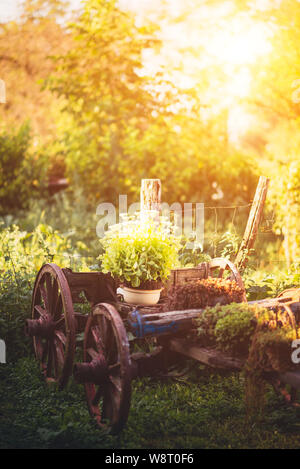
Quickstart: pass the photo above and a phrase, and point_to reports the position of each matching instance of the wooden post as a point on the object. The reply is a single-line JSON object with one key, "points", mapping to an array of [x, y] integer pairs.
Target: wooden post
{"points": [[253, 222], [150, 195]]}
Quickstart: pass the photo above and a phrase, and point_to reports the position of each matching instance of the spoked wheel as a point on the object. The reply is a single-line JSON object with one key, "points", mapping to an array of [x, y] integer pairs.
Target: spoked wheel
{"points": [[53, 324], [283, 385], [224, 268], [289, 393], [106, 371]]}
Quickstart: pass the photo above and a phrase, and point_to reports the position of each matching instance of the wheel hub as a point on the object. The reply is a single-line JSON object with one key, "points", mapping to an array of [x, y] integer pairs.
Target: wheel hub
{"points": [[40, 328], [94, 372]]}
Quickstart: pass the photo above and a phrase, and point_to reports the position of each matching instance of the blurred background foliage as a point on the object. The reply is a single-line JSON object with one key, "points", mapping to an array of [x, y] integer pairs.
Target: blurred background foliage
{"points": [[202, 94]]}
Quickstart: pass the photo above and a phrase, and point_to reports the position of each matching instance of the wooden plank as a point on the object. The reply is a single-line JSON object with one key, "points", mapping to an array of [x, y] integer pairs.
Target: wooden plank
{"points": [[172, 315], [253, 222], [150, 195], [181, 276], [210, 357]]}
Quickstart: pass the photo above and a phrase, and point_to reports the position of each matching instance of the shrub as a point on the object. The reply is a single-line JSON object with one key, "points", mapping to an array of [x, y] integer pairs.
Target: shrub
{"points": [[21, 256], [229, 327], [22, 173]]}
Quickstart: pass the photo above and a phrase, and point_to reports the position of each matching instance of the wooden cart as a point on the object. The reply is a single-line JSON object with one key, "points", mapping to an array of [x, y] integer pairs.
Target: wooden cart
{"points": [[108, 366]]}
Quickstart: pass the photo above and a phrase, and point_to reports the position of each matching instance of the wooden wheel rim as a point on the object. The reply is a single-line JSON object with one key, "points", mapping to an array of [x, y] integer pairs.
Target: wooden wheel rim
{"points": [[226, 265], [116, 393], [292, 293], [285, 391], [51, 296]]}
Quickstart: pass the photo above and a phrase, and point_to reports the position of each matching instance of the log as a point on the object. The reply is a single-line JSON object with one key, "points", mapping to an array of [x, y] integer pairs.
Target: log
{"points": [[150, 195], [253, 222], [2, 92], [158, 324], [208, 356], [168, 316]]}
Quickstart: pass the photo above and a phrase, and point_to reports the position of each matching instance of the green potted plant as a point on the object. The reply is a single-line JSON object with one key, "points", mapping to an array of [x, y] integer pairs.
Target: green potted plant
{"points": [[140, 253]]}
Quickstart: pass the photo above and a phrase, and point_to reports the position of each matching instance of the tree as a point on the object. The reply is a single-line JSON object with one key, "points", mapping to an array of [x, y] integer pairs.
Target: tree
{"points": [[126, 125], [25, 49], [21, 173], [275, 99]]}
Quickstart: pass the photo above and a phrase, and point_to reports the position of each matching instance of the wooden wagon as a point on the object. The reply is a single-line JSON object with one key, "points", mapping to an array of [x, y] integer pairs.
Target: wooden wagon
{"points": [[108, 365]]}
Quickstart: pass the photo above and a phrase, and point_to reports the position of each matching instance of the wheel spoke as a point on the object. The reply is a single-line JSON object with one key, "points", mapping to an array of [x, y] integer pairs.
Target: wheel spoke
{"points": [[112, 352], [50, 359], [109, 407], [61, 336], [45, 353], [107, 336], [49, 290], [116, 383], [58, 307], [221, 272], [92, 353], [112, 402], [97, 338], [42, 312], [98, 395], [103, 327], [54, 298], [60, 322], [59, 352], [115, 368], [294, 394], [39, 348], [44, 296]]}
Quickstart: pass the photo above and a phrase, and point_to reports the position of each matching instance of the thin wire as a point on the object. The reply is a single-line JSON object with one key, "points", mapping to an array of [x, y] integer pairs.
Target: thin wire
{"points": [[231, 206], [235, 207]]}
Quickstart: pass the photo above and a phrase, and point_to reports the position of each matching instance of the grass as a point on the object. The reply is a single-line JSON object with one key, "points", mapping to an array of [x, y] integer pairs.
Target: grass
{"points": [[203, 410]]}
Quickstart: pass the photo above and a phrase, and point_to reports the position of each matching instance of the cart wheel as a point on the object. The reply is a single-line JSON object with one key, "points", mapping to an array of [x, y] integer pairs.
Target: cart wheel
{"points": [[292, 294], [53, 324], [107, 368], [285, 318], [289, 393], [224, 268]]}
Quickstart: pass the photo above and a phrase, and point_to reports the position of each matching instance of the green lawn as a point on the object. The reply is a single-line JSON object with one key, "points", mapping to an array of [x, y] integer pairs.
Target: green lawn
{"points": [[201, 410]]}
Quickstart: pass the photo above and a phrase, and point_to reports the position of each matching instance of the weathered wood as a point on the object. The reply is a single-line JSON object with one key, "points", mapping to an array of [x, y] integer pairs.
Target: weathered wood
{"points": [[150, 195], [2, 92], [253, 222], [208, 356], [96, 286], [154, 325], [181, 276], [172, 315]]}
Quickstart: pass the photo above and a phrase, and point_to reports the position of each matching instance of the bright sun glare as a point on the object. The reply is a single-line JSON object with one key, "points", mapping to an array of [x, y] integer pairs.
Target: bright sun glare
{"points": [[241, 42], [234, 48], [208, 38]]}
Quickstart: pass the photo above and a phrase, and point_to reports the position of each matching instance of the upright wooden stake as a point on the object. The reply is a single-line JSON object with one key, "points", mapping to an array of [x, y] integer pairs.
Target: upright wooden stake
{"points": [[150, 195], [253, 222]]}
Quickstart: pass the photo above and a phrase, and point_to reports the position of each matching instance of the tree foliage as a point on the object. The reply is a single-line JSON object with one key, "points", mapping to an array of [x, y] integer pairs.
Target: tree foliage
{"points": [[127, 125], [21, 172]]}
